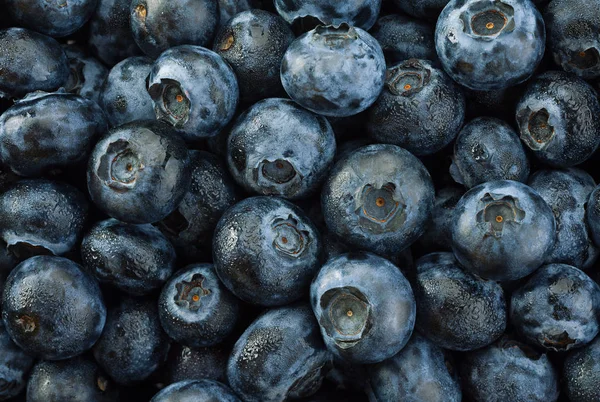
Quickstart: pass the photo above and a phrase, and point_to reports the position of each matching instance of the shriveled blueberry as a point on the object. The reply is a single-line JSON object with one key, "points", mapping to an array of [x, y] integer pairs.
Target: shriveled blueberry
{"points": [[310, 13], [365, 307], [198, 391], [427, 9], [185, 363], [87, 74], [581, 373], [14, 366], [439, 228], [139, 172], [52, 308]]}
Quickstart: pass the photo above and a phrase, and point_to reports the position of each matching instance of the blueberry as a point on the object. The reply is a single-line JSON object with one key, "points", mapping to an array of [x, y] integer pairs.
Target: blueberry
{"points": [[139, 172], [421, 371], [378, 198], [14, 366], [428, 9], [320, 70], [198, 391], [280, 356], [421, 109], [502, 230], [556, 119], [87, 74], [52, 308], [185, 363], [365, 307], [581, 373], [439, 228], [487, 45], [46, 131], [76, 380], [275, 254], [488, 149], [194, 90], [253, 43], [20, 50], [278, 148]]}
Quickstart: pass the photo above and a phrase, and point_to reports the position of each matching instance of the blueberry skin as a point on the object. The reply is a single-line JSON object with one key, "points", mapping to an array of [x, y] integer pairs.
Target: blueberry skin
{"points": [[488, 149], [456, 309], [426, 9], [482, 58], [378, 199], [194, 90], [133, 344], [581, 373], [52, 18], [20, 49], [123, 96], [557, 119], [402, 38], [275, 255], [87, 74], [253, 43], [196, 391], [52, 308], [368, 297], [358, 13], [280, 356], [420, 371], [421, 109], [503, 230], [439, 228], [111, 39], [558, 308], [46, 131], [593, 215], [278, 148], [195, 308], [574, 35], [320, 70], [185, 363], [158, 25], [508, 371], [567, 192], [42, 215], [139, 172], [14, 366], [76, 380]]}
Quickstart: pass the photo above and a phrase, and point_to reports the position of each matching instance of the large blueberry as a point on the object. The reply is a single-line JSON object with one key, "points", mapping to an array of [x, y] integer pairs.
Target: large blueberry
{"points": [[581, 373], [14, 366], [197, 391], [359, 13]]}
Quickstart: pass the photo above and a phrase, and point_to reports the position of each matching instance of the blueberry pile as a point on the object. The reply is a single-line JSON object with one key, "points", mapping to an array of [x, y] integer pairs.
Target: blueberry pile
{"points": [[311, 200]]}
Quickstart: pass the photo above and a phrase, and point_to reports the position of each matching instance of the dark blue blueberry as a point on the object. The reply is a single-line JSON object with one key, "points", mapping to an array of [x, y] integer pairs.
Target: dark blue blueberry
{"points": [[593, 215], [196, 391], [310, 13], [253, 43], [185, 363], [456, 309], [421, 371], [266, 251], [139, 172], [20, 50], [14, 366], [487, 45], [378, 198], [557, 119], [74, 380], [123, 96], [439, 228], [365, 307], [558, 308], [194, 90], [421, 109], [427, 9], [87, 74], [581, 373], [334, 71], [158, 25], [280, 356], [52, 308], [488, 149], [502, 230], [279, 148], [46, 131], [133, 344], [567, 192], [136, 259]]}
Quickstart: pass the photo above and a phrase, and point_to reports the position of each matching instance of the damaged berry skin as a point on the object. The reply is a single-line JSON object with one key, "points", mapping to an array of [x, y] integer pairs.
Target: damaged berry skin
{"points": [[558, 308], [276, 254], [358, 13], [485, 45], [196, 309], [503, 230], [194, 90], [420, 109], [280, 356], [46, 131], [158, 25], [321, 69], [52, 308], [557, 119], [87, 74], [204, 390], [14, 366], [365, 307], [136, 259], [139, 172], [581, 373], [278, 148]]}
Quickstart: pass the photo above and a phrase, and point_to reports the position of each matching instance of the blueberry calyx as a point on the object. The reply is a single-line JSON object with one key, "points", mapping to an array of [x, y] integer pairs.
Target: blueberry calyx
{"points": [[380, 209], [585, 59], [289, 239], [190, 294], [538, 132], [171, 102], [499, 210], [487, 20], [407, 78]]}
